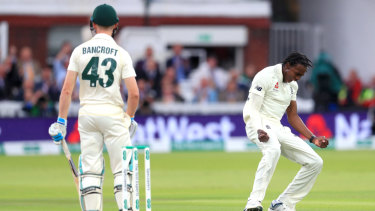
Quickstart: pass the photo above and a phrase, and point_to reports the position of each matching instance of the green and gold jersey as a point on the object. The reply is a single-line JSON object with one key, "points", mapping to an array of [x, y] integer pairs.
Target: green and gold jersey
{"points": [[101, 65]]}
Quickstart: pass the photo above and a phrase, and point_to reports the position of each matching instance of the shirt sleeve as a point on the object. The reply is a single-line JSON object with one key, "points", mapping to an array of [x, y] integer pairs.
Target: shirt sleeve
{"points": [[73, 62], [260, 84], [294, 87], [128, 69]]}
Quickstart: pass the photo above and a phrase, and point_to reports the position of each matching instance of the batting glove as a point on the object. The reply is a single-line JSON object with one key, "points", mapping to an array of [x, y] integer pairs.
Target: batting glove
{"points": [[57, 130], [133, 127]]}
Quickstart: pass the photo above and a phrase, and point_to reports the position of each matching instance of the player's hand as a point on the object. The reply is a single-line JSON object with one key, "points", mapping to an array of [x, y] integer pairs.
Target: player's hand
{"points": [[321, 141], [262, 136], [133, 127], [57, 130]]}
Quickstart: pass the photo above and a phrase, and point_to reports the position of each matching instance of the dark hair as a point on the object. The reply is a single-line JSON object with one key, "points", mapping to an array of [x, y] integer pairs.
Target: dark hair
{"points": [[297, 58]]}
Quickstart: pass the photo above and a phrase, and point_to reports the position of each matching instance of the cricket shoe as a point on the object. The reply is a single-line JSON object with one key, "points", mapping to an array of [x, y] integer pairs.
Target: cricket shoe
{"points": [[253, 206], [277, 205]]}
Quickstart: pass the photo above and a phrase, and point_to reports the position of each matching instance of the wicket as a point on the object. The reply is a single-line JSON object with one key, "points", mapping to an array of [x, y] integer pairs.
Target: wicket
{"points": [[135, 178]]}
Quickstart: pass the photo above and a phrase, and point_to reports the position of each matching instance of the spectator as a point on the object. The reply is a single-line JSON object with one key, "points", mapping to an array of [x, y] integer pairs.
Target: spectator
{"points": [[148, 70], [13, 79], [350, 93], [60, 63], [354, 85], [29, 99], [180, 64], [169, 87], [210, 70], [327, 83], [146, 97], [29, 71], [369, 102], [207, 92], [367, 98], [42, 107], [168, 95], [47, 87], [28, 67], [246, 78], [232, 93], [2, 82]]}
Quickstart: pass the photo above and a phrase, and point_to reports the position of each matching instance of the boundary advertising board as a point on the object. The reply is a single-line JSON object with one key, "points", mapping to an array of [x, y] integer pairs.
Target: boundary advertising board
{"points": [[187, 133]]}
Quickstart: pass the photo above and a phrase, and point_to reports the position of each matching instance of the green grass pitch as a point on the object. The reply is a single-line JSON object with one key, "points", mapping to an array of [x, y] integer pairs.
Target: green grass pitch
{"points": [[193, 181]]}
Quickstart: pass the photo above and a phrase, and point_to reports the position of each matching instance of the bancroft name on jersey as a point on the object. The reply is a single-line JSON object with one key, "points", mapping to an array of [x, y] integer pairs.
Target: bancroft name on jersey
{"points": [[99, 49]]}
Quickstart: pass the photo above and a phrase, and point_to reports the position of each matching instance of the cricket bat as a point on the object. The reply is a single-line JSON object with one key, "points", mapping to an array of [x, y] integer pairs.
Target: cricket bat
{"points": [[71, 163]]}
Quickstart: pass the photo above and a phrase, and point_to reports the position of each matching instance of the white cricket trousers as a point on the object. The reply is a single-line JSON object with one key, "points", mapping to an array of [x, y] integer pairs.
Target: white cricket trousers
{"points": [[283, 141], [99, 125]]}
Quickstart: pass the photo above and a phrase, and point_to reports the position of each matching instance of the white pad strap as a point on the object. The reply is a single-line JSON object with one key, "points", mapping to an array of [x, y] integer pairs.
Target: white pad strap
{"points": [[91, 192], [118, 189]]}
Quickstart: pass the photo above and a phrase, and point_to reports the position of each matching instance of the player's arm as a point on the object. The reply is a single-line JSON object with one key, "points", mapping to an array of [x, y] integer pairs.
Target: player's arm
{"points": [[296, 122], [66, 93], [254, 104], [133, 95], [133, 99], [57, 130], [252, 108]]}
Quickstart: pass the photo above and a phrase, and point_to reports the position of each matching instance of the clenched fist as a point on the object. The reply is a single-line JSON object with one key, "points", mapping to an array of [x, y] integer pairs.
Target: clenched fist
{"points": [[321, 141], [262, 136]]}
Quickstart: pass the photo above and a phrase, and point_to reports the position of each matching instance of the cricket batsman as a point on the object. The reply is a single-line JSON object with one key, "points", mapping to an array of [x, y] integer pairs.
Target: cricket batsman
{"points": [[273, 91], [101, 65]]}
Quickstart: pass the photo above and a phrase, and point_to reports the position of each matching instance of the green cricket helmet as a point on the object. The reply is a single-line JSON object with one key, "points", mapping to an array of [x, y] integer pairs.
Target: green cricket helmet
{"points": [[104, 15]]}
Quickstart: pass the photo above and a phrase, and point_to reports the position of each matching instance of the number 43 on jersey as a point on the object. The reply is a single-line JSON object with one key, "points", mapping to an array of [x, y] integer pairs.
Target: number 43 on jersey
{"points": [[93, 77]]}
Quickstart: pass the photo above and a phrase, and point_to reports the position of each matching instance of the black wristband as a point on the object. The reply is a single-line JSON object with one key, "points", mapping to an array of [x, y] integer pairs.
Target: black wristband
{"points": [[312, 138]]}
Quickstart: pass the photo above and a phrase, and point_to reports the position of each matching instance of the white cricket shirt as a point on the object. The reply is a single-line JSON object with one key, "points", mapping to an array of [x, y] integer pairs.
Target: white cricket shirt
{"points": [[276, 94], [101, 65]]}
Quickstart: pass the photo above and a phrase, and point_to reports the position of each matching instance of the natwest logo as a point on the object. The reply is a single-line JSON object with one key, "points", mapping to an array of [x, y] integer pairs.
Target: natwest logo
{"points": [[180, 129], [277, 85]]}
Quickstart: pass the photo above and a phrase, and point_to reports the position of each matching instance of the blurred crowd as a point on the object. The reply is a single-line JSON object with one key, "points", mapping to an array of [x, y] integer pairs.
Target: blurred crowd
{"points": [[179, 82], [38, 88], [23, 79], [332, 92]]}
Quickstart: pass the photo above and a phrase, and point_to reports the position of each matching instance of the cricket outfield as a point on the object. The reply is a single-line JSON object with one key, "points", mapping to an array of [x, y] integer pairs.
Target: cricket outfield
{"points": [[192, 181]]}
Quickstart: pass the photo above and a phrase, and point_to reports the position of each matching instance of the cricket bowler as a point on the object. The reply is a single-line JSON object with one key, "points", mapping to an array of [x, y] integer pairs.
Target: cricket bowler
{"points": [[273, 91]]}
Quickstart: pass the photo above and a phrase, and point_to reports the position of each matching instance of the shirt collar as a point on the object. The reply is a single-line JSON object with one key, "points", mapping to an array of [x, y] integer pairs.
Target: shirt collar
{"points": [[104, 37]]}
